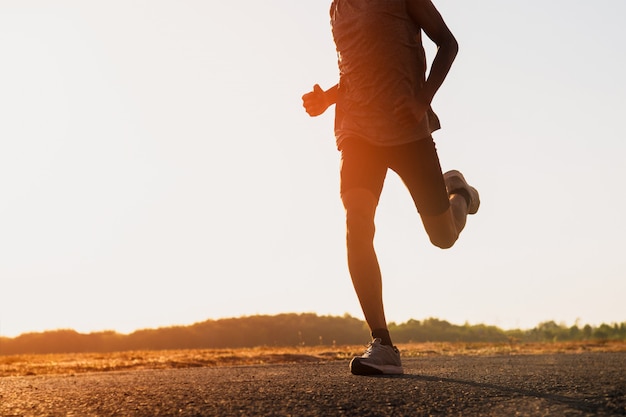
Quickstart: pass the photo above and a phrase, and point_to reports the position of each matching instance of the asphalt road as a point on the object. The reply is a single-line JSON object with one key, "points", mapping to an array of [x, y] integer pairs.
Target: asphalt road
{"points": [[588, 384]]}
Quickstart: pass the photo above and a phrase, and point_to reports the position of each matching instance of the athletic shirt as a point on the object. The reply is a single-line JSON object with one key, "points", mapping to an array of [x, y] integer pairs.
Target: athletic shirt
{"points": [[381, 59]]}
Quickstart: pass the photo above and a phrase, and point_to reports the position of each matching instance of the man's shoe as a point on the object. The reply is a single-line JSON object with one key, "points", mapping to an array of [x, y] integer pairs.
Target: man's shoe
{"points": [[456, 184], [378, 359]]}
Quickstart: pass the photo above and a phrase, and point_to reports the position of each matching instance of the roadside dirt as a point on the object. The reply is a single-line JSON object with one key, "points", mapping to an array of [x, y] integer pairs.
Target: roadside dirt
{"points": [[76, 363]]}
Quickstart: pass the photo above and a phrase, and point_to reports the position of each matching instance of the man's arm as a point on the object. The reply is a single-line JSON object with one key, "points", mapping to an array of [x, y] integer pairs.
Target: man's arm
{"points": [[317, 101], [424, 13]]}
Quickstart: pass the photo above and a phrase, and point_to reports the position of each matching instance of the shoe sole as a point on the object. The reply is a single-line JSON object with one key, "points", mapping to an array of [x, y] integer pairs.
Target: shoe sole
{"points": [[359, 368]]}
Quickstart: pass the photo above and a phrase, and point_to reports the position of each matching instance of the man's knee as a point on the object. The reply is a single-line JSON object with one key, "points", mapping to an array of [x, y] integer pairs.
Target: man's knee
{"points": [[441, 229], [360, 208], [443, 242]]}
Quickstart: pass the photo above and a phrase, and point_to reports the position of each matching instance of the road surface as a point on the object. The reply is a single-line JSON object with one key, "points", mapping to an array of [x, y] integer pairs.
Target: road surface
{"points": [[587, 384]]}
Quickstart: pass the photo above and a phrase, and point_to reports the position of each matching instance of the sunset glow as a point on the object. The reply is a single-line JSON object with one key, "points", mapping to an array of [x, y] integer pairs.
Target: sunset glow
{"points": [[157, 167]]}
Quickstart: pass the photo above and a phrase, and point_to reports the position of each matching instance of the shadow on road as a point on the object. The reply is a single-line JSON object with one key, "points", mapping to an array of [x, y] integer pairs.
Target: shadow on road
{"points": [[584, 404]]}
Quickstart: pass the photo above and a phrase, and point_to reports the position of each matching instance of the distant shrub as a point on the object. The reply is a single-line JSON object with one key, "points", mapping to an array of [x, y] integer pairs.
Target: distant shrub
{"points": [[293, 330]]}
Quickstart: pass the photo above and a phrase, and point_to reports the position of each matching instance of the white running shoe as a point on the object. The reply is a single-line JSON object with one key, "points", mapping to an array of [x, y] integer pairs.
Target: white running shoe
{"points": [[378, 359]]}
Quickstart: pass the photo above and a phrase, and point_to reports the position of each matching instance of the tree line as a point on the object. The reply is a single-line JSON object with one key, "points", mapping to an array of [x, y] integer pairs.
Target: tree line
{"points": [[293, 330]]}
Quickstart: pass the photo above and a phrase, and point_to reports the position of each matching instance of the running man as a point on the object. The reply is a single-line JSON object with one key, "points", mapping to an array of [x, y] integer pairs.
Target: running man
{"points": [[383, 120]]}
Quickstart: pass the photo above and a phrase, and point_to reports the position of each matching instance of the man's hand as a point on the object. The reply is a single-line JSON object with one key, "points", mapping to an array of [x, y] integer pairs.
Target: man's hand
{"points": [[316, 102], [409, 110]]}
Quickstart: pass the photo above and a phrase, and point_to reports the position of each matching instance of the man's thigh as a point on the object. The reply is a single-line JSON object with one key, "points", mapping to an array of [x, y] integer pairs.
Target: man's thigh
{"points": [[417, 164], [363, 172]]}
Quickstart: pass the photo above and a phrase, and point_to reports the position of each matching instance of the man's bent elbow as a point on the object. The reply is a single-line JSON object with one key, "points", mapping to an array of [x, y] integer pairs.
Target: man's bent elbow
{"points": [[452, 46]]}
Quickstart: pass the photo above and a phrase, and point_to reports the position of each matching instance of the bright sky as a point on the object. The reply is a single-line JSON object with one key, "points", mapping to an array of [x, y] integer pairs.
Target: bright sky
{"points": [[157, 168]]}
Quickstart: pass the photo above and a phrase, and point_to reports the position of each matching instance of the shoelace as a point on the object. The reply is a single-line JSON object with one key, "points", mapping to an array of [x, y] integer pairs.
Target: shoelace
{"points": [[371, 347]]}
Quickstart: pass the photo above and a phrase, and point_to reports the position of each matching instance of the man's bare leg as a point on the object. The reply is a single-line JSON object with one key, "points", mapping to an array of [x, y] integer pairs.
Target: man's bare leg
{"points": [[360, 205], [444, 229]]}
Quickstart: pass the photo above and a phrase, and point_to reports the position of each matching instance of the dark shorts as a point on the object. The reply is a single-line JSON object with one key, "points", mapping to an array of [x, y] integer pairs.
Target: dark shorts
{"points": [[364, 165]]}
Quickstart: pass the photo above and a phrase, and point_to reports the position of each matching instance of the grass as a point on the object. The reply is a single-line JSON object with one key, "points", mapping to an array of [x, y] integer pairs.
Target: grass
{"points": [[71, 364]]}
